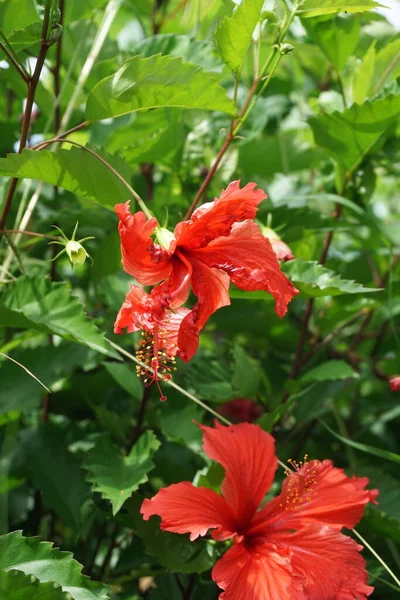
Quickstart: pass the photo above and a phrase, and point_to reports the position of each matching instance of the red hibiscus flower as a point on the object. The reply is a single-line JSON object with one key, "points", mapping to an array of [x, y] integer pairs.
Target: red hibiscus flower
{"points": [[240, 409], [394, 383], [292, 547], [219, 244], [282, 250]]}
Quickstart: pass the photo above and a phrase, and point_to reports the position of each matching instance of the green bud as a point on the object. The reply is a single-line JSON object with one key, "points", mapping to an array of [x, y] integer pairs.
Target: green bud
{"points": [[268, 15], [76, 253], [286, 48], [164, 237]]}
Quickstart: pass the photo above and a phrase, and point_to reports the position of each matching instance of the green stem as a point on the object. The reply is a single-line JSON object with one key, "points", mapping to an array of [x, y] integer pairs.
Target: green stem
{"points": [[378, 558], [343, 430]]}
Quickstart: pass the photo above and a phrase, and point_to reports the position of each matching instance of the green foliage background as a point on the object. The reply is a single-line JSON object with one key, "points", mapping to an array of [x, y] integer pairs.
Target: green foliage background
{"points": [[158, 85]]}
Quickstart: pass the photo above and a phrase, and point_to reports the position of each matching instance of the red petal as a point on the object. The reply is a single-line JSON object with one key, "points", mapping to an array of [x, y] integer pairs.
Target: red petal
{"points": [[148, 262], [247, 256], [169, 328], [247, 454], [330, 563], [395, 384], [336, 500], [184, 508], [259, 574], [282, 250], [128, 314], [211, 288], [216, 218]]}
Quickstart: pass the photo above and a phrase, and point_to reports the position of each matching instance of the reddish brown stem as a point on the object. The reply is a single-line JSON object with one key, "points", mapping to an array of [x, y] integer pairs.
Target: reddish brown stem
{"points": [[32, 85]]}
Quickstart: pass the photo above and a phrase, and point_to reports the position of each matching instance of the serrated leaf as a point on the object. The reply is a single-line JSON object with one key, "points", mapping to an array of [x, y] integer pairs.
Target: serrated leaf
{"points": [[377, 68], [42, 304], [233, 35], [246, 373], [314, 8], [22, 38], [116, 476], [350, 135], [336, 37], [314, 280], [56, 473], [14, 585], [329, 371], [145, 83], [48, 564], [74, 170]]}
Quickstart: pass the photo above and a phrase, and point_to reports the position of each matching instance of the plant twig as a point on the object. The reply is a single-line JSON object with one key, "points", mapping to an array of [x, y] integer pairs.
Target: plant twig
{"points": [[12, 60], [26, 121]]}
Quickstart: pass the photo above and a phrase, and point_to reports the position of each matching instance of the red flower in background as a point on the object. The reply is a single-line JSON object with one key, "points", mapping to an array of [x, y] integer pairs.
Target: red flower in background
{"points": [[219, 244], [292, 547], [394, 383], [240, 409]]}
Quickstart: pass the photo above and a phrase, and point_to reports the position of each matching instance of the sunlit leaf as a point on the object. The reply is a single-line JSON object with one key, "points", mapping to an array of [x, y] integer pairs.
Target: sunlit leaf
{"points": [[314, 8], [329, 371], [14, 585]]}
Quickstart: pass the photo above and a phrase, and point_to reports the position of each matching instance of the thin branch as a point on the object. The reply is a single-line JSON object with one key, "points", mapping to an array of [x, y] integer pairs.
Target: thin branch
{"points": [[12, 60], [26, 370]]}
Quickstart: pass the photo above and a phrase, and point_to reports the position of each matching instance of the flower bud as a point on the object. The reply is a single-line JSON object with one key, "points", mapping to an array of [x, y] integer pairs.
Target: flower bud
{"points": [[282, 250], [76, 253], [164, 237], [286, 48]]}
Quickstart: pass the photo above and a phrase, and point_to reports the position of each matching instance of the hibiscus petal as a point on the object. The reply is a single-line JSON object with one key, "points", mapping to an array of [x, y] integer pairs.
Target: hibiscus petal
{"points": [[335, 499], [264, 574], [169, 328], [148, 262], [127, 315], [329, 561], [184, 508], [247, 454], [211, 288], [216, 218], [248, 258]]}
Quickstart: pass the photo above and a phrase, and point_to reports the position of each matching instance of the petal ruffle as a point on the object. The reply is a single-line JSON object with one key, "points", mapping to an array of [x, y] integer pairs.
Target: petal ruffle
{"points": [[248, 258], [214, 219], [149, 263], [247, 454], [334, 499], [260, 574], [184, 508], [329, 561], [211, 288]]}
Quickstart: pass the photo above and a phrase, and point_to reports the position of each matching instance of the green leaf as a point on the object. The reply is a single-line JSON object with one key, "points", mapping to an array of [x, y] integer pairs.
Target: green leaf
{"points": [[75, 170], [116, 476], [17, 14], [144, 83], [314, 8], [233, 35], [126, 378], [42, 304], [48, 564], [14, 585], [386, 454], [56, 473], [329, 371], [337, 37], [22, 38], [377, 68], [350, 135], [176, 552], [314, 280], [246, 373]]}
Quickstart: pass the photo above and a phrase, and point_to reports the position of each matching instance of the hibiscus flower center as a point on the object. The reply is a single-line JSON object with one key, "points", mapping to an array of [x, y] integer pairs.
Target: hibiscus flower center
{"points": [[156, 363], [301, 481]]}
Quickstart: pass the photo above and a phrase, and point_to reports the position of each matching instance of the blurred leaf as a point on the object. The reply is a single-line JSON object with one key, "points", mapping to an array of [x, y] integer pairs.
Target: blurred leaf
{"points": [[246, 373], [48, 564], [56, 472], [22, 38], [315, 281], [17, 14], [377, 68], [176, 552], [268, 420], [144, 83], [330, 370], [386, 454], [350, 135], [14, 585], [50, 307], [233, 35], [126, 378], [116, 476], [74, 170], [313, 8], [337, 37]]}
